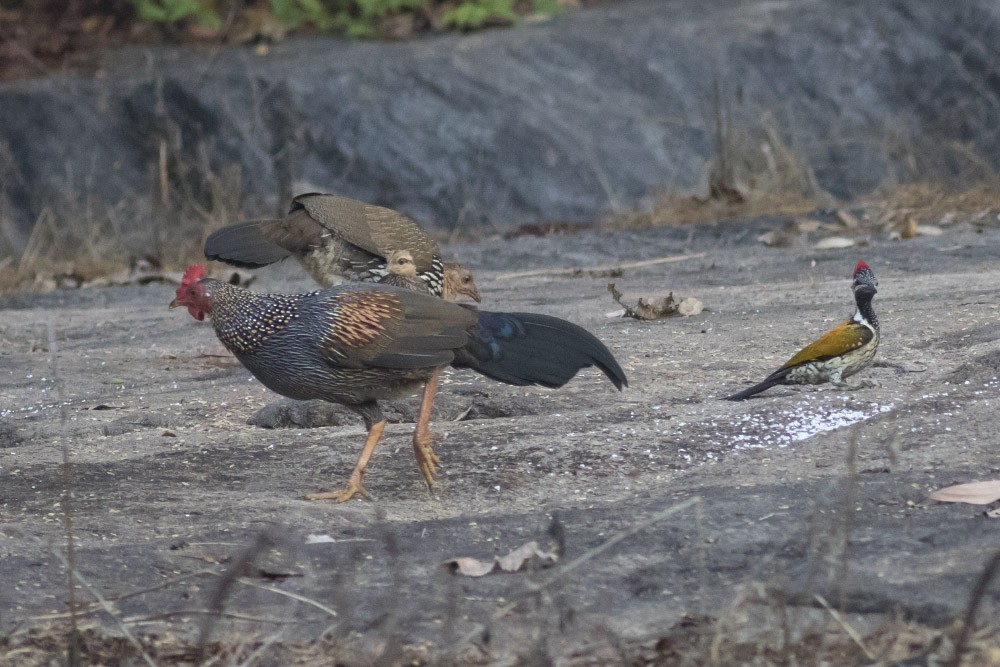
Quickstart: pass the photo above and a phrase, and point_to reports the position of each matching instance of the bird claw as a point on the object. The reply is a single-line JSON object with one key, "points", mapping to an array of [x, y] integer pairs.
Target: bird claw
{"points": [[424, 453], [353, 488]]}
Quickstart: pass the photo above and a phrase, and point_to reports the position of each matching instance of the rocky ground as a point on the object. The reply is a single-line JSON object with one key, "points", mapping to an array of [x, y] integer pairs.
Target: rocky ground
{"points": [[673, 509]]}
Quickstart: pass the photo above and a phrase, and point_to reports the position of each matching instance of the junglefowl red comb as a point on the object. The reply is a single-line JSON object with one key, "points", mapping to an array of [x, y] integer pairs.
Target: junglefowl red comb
{"points": [[194, 273]]}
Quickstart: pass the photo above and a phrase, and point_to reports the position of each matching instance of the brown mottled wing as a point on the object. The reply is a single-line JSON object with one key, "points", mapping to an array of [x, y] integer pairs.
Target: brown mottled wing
{"points": [[844, 337], [386, 327], [375, 229]]}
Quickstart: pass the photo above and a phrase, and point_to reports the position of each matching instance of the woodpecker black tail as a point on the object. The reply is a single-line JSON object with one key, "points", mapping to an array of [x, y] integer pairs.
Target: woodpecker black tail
{"points": [[527, 348], [773, 379]]}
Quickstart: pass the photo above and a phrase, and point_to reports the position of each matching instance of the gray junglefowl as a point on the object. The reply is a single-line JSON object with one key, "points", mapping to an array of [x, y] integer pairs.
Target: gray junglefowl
{"points": [[334, 236], [356, 344]]}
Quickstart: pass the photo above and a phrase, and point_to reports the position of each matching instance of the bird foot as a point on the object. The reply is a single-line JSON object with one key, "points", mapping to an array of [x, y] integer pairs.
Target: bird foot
{"points": [[426, 458], [353, 488]]}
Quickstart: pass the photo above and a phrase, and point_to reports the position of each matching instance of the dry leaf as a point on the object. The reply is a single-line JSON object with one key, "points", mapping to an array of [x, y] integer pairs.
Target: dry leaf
{"points": [[785, 236], [525, 554], [656, 308], [973, 493], [834, 243], [805, 225], [993, 514], [847, 219], [909, 228], [689, 306], [469, 567], [518, 559]]}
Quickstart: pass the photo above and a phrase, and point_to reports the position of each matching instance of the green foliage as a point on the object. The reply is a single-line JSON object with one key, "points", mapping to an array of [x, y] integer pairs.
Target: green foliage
{"points": [[472, 14], [361, 22], [358, 18], [546, 6], [298, 12], [355, 17], [171, 11]]}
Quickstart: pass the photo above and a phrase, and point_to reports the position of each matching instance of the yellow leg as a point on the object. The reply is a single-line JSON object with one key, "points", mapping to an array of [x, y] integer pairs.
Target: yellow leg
{"points": [[422, 436], [353, 486]]}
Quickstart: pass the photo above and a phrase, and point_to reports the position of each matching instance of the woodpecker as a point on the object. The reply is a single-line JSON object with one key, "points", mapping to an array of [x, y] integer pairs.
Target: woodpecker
{"points": [[840, 352]]}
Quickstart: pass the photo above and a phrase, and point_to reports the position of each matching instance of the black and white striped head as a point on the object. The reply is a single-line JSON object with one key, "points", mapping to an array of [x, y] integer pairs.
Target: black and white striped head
{"points": [[865, 283]]}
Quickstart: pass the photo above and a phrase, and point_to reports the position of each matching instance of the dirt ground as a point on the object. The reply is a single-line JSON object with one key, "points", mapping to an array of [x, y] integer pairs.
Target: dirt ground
{"points": [[800, 498]]}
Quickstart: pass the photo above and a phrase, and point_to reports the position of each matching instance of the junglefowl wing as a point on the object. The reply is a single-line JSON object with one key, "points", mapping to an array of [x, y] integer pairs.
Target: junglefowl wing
{"points": [[392, 328]]}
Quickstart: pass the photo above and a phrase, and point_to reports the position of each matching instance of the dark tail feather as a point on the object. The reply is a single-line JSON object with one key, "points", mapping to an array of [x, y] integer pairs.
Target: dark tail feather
{"points": [[243, 245], [525, 348], [774, 378]]}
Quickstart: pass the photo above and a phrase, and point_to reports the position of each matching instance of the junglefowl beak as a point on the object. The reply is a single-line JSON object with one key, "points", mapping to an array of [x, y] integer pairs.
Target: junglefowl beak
{"points": [[174, 304]]}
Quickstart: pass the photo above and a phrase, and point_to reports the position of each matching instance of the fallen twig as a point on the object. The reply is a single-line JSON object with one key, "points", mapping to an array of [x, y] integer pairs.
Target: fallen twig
{"points": [[851, 632], [288, 594]]}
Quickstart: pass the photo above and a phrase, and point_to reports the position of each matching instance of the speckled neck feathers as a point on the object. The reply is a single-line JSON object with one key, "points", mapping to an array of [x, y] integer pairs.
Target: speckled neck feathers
{"points": [[244, 320]]}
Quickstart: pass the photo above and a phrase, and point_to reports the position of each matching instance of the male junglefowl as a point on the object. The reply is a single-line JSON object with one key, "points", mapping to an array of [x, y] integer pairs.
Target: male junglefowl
{"points": [[840, 352], [338, 237], [356, 344]]}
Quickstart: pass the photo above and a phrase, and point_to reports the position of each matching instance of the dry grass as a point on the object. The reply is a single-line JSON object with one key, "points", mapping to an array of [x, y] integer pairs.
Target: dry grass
{"points": [[46, 645], [927, 202], [75, 242], [693, 641], [935, 203], [78, 239]]}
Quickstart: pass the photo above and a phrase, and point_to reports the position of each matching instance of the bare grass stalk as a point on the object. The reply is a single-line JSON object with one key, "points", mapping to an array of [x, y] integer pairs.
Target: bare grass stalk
{"points": [[66, 502], [969, 617], [107, 608]]}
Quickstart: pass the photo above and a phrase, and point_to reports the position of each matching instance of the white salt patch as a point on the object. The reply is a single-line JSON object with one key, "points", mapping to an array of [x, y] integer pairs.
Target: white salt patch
{"points": [[780, 429]]}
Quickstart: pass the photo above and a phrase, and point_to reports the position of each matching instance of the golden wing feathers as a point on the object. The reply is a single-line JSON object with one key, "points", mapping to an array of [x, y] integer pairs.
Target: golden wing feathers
{"points": [[843, 338], [385, 327]]}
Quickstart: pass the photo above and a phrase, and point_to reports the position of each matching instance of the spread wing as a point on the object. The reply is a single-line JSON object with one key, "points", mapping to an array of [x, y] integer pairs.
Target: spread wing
{"points": [[844, 337], [375, 229]]}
